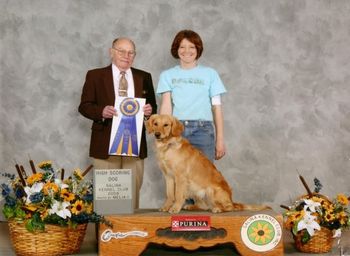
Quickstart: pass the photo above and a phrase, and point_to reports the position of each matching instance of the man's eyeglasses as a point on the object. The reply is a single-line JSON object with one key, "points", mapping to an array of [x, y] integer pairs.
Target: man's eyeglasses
{"points": [[124, 52]]}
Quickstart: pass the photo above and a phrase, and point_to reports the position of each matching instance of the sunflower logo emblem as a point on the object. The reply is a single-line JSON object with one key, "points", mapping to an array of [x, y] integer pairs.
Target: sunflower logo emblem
{"points": [[261, 232]]}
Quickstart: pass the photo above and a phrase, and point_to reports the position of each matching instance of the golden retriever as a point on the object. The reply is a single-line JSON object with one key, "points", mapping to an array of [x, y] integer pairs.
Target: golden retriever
{"points": [[188, 173]]}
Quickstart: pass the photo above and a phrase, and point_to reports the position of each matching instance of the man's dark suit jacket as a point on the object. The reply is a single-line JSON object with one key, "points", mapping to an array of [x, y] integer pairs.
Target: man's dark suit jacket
{"points": [[98, 92]]}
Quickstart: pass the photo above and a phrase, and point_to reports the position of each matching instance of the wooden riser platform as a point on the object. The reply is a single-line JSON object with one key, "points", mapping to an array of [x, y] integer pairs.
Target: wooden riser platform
{"points": [[252, 233]]}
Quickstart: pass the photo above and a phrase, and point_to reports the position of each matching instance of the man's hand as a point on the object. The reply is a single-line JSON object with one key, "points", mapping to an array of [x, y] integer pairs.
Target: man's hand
{"points": [[147, 110], [109, 112]]}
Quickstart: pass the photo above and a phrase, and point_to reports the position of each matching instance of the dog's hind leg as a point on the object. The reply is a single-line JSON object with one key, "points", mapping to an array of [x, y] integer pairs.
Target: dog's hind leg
{"points": [[219, 200]]}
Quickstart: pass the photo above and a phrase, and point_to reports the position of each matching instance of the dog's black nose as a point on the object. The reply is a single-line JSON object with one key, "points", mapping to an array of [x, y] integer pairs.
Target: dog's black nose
{"points": [[157, 134]]}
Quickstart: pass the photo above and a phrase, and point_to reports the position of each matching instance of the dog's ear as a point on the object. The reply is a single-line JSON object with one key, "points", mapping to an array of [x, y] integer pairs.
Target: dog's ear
{"points": [[149, 123], [177, 127]]}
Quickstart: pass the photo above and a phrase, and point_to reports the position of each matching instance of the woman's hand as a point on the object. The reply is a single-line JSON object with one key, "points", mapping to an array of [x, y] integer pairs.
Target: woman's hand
{"points": [[220, 149]]}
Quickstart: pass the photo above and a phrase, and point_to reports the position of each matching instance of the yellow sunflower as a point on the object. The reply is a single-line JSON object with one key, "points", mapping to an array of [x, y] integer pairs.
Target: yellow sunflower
{"points": [[329, 216], [293, 217], [342, 199], [77, 173], [88, 208], [30, 207], [289, 223], [77, 207], [298, 215], [34, 178], [318, 200], [329, 207], [67, 196], [342, 217], [50, 186], [45, 164]]}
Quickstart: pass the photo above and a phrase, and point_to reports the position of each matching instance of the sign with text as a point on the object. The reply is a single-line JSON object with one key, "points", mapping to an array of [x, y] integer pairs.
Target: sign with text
{"points": [[127, 127], [190, 223], [113, 191]]}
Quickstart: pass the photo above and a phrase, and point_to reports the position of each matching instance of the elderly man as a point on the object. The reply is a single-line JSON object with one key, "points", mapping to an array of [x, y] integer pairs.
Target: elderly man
{"points": [[101, 89]]}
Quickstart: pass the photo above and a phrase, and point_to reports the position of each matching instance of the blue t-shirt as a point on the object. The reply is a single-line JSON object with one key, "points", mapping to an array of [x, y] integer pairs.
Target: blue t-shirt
{"points": [[191, 91]]}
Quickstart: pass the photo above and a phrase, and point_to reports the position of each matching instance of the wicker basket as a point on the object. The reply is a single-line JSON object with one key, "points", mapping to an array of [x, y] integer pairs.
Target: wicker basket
{"points": [[320, 242], [54, 241]]}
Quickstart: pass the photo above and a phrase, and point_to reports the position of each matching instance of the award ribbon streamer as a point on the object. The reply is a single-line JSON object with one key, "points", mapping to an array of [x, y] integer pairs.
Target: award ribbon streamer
{"points": [[125, 140]]}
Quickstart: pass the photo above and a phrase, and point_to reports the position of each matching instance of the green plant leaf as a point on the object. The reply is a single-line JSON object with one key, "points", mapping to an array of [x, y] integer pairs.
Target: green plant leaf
{"points": [[9, 212], [19, 213], [295, 229], [35, 223], [306, 237]]}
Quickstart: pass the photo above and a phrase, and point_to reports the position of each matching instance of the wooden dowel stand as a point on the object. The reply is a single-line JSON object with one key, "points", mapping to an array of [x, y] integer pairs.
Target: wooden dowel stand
{"points": [[87, 170], [305, 185], [62, 174], [32, 166], [23, 171], [20, 175], [284, 207]]}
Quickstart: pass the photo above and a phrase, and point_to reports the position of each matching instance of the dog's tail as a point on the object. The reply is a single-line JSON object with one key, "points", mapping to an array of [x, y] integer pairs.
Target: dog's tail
{"points": [[248, 207]]}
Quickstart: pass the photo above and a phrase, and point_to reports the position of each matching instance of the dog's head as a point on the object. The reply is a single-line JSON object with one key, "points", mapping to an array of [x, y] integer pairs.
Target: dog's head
{"points": [[164, 126]]}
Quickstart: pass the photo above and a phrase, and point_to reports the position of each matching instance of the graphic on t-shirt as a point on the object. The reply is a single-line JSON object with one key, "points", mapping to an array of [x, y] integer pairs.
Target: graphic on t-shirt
{"points": [[179, 81]]}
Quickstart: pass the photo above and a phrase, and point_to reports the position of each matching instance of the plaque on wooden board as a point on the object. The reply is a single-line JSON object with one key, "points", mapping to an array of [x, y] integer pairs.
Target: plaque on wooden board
{"points": [[113, 191]]}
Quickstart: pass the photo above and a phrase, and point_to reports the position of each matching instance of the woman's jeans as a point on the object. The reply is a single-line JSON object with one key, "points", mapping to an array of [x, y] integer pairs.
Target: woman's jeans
{"points": [[200, 134]]}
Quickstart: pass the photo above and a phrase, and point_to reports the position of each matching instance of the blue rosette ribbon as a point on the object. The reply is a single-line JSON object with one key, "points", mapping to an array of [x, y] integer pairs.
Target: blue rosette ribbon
{"points": [[125, 140]]}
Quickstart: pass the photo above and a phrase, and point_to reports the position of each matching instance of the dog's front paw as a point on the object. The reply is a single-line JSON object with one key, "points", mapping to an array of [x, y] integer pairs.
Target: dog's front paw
{"points": [[216, 210], [166, 206], [164, 209], [175, 209]]}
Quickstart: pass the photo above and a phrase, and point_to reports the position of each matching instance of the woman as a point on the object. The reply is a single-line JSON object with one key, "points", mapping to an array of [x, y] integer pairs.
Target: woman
{"points": [[191, 92]]}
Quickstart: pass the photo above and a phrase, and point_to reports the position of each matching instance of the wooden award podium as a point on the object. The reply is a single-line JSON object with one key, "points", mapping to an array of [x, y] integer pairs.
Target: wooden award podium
{"points": [[251, 233]]}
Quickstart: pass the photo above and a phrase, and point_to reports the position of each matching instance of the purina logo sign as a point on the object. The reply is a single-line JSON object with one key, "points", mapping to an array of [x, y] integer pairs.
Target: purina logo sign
{"points": [[190, 223], [261, 232]]}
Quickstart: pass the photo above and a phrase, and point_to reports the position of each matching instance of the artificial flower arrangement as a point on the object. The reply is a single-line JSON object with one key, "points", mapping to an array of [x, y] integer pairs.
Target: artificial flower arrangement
{"points": [[45, 197], [312, 212]]}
